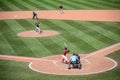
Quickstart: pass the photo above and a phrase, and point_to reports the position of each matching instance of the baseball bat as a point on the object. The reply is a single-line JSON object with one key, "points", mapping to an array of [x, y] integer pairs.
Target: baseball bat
{"points": [[65, 44]]}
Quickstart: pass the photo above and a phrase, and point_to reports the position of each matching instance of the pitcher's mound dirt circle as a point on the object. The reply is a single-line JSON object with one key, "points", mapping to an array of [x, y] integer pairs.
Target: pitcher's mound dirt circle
{"points": [[33, 33], [91, 65]]}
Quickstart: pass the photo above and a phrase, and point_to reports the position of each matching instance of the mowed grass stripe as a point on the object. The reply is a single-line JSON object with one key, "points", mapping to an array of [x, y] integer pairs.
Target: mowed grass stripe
{"points": [[28, 42], [105, 4], [50, 5], [113, 24], [73, 48], [109, 4], [99, 5], [88, 38], [4, 7], [60, 39], [54, 4], [105, 32], [1, 9], [10, 5], [80, 44], [68, 38], [65, 5], [115, 2], [87, 29], [90, 30], [71, 4], [34, 44], [82, 5], [50, 25], [29, 6], [55, 40], [38, 6], [44, 3], [21, 48], [42, 6], [108, 33], [81, 35], [76, 5], [48, 43], [17, 3], [94, 5], [111, 27], [51, 45], [5, 47], [13, 68], [8, 36]]}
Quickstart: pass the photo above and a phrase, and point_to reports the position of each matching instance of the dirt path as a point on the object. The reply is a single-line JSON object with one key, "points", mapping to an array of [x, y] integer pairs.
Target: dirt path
{"points": [[84, 15], [91, 63]]}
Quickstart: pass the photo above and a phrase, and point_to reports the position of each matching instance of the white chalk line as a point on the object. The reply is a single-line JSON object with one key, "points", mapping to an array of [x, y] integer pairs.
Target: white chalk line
{"points": [[55, 62], [87, 61], [84, 58], [100, 51], [115, 64]]}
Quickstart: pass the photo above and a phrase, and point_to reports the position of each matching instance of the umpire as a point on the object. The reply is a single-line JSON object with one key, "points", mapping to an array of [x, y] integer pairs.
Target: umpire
{"points": [[35, 15]]}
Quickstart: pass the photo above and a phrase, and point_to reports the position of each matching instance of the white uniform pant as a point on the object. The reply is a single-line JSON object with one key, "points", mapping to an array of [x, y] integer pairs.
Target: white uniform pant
{"points": [[37, 29], [64, 57], [61, 11]]}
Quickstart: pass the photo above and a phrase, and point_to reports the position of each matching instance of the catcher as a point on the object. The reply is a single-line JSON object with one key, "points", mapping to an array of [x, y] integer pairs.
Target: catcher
{"points": [[64, 58]]}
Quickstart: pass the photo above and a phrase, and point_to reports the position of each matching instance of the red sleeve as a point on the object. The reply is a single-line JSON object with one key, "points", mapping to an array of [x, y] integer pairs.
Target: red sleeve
{"points": [[64, 52]]}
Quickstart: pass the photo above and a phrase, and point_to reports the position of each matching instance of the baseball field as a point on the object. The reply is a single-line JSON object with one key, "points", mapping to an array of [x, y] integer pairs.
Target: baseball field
{"points": [[90, 28]]}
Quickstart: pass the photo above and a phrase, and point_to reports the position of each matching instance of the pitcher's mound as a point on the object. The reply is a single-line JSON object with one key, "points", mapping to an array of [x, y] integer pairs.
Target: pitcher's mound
{"points": [[33, 33]]}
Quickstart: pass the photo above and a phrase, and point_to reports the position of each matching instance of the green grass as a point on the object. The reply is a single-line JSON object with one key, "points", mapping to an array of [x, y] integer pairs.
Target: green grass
{"points": [[80, 36], [11, 70], [17, 5]]}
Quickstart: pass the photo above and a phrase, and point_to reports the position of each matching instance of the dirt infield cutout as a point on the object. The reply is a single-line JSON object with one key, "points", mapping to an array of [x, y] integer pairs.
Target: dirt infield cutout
{"points": [[33, 33], [89, 66], [92, 63]]}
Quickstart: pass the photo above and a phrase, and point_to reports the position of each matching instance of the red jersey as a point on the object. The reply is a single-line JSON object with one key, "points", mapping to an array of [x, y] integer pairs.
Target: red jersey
{"points": [[65, 52]]}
